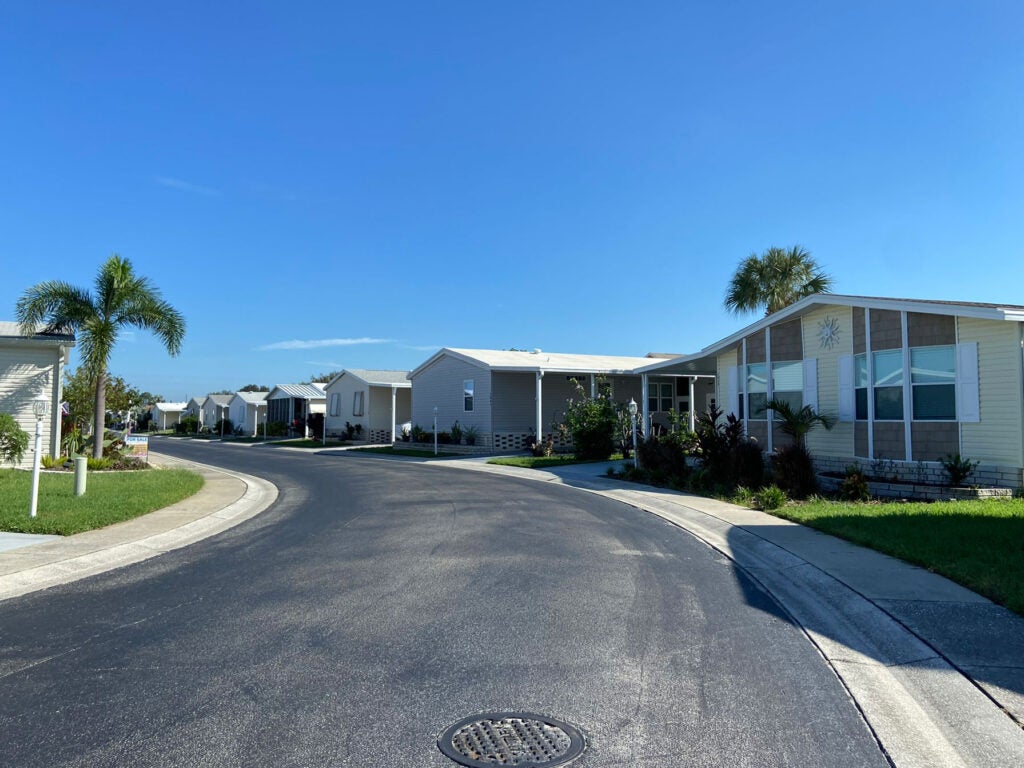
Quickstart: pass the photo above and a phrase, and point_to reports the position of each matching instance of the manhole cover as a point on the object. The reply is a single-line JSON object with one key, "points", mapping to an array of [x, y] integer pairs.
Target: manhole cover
{"points": [[511, 738]]}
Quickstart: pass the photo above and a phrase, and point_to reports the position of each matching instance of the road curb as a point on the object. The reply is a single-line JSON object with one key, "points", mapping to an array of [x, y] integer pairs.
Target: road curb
{"points": [[226, 499]]}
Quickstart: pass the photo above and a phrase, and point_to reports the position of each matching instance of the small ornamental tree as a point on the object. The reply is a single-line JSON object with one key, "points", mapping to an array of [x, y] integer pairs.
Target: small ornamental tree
{"points": [[13, 440], [592, 424]]}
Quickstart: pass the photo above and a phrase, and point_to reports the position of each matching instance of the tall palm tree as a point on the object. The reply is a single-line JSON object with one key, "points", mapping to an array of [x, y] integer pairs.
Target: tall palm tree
{"points": [[775, 279], [121, 298]]}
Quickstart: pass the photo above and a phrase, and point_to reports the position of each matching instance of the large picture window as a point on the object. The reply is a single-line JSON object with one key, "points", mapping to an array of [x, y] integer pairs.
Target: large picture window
{"points": [[468, 387], [888, 385], [933, 382]]}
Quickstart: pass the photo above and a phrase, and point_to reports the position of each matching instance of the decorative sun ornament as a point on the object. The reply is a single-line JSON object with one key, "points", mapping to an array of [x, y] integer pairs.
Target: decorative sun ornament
{"points": [[828, 332]]}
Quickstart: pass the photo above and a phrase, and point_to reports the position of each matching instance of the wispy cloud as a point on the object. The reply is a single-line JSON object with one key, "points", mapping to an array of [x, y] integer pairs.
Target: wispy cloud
{"points": [[319, 343], [424, 347], [185, 186], [324, 364]]}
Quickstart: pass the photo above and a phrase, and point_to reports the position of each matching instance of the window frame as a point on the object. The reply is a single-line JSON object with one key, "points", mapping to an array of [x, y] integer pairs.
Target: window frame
{"points": [[358, 402], [468, 395]]}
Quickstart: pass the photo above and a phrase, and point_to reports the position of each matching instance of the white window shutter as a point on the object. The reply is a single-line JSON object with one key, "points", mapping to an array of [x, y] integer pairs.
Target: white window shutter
{"points": [[847, 394], [811, 383], [968, 393], [733, 390]]}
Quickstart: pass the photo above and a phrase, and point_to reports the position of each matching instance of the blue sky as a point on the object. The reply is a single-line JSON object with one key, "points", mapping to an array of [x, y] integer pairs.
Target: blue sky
{"points": [[377, 180]]}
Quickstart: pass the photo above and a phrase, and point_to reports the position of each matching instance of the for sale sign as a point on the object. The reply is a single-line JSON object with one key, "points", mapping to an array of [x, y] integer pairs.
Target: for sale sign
{"points": [[138, 446]]}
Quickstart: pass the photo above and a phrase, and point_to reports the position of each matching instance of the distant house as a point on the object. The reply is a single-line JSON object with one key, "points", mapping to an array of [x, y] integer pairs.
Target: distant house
{"points": [[215, 408], [378, 401], [290, 404], [194, 410], [166, 415], [31, 369], [507, 396], [248, 410], [908, 381]]}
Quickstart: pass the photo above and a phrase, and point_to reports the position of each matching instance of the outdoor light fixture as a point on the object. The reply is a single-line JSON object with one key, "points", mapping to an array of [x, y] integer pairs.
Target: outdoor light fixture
{"points": [[632, 418], [39, 408]]}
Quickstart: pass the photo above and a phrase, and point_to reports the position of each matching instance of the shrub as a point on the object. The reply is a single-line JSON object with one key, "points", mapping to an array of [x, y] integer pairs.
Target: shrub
{"points": [[443, 438], [277, 429], [544, 448], [13, 440], [189, 425], [225, 425], [72, 442], [469, 434], [748, 464], [793, 471], [728, 457], [418, 434], [770, 498], [854, 486], [97, 464], [49, 462], [456, 433], [591, 422], [665, 454], [743, 496], [958, 468], [315, 423]]}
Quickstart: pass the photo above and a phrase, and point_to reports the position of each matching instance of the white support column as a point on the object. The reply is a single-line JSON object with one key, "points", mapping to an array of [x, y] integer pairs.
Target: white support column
{"points": [[870, 363], [908, 393], [593, 386], [693, 405], [394, 408], [645, 404], [540, 407], [743, 385], [769, 414]]}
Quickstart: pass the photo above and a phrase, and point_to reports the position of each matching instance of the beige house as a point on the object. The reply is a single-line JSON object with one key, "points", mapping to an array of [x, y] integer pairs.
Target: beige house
{"points": [[378, 401], [166, 415], [31, 369], [908, 382], [291, 404]]}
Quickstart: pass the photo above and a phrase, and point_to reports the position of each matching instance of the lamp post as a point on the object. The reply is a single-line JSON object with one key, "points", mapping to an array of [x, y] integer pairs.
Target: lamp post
{"points": [[435, 430], [39, 408], [632, 419]]}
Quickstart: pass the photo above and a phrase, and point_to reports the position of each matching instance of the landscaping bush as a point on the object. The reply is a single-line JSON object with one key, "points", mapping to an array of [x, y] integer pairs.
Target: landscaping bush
{"points": [[958, 468], [793, 471], [665, 454], [189, 425], [748, 464], [277, 429], [770, 498], [13, 440], [418, 434], [443, 438], [223, 426], [591, 422], [854, 486], [456, 433], [469, 434], [315, 424]]}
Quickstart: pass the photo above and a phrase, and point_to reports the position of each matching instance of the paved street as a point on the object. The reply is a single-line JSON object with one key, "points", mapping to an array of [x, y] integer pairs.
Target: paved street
{"points": [[378, 602]]}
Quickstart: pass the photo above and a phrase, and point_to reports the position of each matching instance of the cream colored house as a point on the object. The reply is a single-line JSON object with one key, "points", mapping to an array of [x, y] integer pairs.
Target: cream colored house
{"points": [[378, 401], [248, 410], [31, 369], [166, 415], [908, 382]]}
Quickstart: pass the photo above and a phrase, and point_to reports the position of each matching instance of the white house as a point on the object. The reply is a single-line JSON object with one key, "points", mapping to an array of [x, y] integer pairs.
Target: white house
{"points": [[248, 410], [166, 415], [194, 409], [215, 408], [290, 404], [377, 401], [31, 369]]}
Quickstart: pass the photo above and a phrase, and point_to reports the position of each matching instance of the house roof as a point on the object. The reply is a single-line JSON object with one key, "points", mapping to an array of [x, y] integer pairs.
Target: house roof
{"points": [[699, 362], [302, 391], [170, 407], [12, 330], [538, 361], [251, 397], [218, 399], [376, 378]]}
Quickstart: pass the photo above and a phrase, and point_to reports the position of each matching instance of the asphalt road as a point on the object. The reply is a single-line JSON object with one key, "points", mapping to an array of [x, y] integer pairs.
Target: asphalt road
{"points": [[378, 602]]}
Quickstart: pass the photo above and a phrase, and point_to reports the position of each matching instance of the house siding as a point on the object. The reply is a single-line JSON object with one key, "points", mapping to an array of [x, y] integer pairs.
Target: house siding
{"points": [[440, 386], [726, 360], [26, 374], [886, 329], [997, 438], [840, 440]]}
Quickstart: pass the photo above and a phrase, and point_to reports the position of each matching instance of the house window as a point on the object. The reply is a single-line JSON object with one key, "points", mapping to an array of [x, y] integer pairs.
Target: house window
{"points": [[757, 390], [888, 385], [659, 397], [357, 403], [468, 387], [788, 383], [335, 403], [860, 363], [933, 383]]}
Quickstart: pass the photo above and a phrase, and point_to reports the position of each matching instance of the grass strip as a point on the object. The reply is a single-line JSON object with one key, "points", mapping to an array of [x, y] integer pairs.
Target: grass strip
{"points": [[415, 452], [979, 544], [307, 443], [110, 497], [540, 462]]}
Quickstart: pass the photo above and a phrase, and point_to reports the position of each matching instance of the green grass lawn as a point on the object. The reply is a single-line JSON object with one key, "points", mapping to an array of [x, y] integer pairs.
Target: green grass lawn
{"points": [[415, 452], [979, 544], [110, 497], [306, 443], [540, 462]]}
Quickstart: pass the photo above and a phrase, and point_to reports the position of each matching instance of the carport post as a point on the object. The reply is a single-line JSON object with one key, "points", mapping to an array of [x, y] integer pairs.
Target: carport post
{"points": [[693, 406], [540, 408], [645, 403], [394, 401]]}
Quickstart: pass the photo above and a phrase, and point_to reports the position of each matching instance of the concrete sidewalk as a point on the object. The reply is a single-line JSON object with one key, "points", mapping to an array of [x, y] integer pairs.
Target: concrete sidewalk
{"points": [[937, 670], [225, 500]]}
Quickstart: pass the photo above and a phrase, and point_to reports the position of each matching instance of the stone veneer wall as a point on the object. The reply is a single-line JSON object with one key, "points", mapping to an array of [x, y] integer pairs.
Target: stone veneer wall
{"points": [[930, 472]]}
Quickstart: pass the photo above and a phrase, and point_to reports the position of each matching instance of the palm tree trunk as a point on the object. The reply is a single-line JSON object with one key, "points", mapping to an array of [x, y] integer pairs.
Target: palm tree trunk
{"points": [[99, 428]]}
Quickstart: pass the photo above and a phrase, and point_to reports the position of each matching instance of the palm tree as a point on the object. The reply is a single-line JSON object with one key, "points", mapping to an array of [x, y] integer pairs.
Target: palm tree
{"points": [[797, 423], [775, 279], [121, 299]]}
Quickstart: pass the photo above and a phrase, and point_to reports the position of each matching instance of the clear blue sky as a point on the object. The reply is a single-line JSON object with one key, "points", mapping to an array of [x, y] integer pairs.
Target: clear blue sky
{"points": [[575, 176]]}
